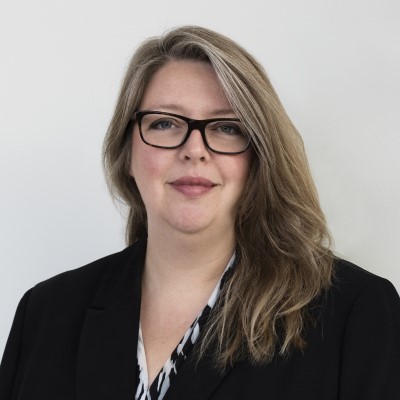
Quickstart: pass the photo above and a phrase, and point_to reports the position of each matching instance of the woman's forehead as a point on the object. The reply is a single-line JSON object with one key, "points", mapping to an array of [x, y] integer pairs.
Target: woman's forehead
{"points": [[186, 87]]}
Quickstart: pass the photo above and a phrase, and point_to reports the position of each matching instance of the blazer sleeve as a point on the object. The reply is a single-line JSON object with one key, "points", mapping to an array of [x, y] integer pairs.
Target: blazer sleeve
{"points": [[371, 347], [9, 363]]}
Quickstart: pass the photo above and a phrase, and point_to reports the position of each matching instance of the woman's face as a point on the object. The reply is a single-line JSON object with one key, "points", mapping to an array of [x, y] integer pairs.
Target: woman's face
{"points": [[190, 189]]}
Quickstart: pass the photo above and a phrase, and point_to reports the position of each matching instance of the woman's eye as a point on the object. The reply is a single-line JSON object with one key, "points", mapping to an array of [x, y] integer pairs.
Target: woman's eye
{"points": [[161, 125], [229, 129]]}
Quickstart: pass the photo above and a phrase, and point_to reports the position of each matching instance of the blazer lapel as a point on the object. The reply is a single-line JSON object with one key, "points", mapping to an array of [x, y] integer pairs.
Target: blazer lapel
{"points": [[106, 363], [196, 380]]}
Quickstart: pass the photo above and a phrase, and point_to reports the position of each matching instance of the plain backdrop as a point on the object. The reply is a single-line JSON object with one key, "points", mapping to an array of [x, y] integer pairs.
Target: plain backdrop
{"points": [[335, 65]]}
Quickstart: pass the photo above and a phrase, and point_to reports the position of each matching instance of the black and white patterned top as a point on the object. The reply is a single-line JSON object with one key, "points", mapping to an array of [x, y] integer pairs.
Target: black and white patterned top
{"points": [[163, 380]]}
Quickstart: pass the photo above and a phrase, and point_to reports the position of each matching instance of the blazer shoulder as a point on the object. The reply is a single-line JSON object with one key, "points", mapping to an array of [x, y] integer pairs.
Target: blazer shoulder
{"points": [[79, 285], [352, 284], [345, 273], [74, 276]]}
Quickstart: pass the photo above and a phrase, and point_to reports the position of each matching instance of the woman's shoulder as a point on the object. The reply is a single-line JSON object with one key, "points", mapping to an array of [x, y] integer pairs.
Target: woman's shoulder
{"points": [[356, 291], [85, 275], [80, 285], [349, 278]]}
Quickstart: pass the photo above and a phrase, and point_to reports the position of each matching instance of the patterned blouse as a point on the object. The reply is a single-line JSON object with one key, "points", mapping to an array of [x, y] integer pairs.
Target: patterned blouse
{"points": [[165, 377]]}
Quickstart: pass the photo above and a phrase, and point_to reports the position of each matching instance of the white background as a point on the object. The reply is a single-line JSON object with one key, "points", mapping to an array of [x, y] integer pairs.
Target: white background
{"points": [[335, 65]]}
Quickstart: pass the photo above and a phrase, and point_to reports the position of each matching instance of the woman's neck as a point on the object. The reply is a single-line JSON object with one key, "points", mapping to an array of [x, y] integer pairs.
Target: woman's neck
{"points": [[179, 260]]}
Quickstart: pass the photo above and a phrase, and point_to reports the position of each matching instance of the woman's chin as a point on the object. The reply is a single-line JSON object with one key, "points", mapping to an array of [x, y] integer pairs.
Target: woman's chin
{"points": [[190, 226], [192, 220]]}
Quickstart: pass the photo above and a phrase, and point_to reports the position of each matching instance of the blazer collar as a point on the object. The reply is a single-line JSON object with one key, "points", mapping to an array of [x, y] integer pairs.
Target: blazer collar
{"points": [[106, 363]]}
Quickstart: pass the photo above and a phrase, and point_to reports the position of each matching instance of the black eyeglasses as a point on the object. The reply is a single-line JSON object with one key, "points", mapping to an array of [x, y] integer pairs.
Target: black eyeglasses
{"points": [[169, 131]]}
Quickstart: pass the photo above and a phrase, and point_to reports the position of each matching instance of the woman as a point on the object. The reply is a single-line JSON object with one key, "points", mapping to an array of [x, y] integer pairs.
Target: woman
{"points": [[228, 288]]}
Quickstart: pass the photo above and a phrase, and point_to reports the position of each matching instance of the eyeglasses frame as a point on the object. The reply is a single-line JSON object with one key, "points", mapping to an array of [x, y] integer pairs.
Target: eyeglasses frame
{"points": [[198, 124]]}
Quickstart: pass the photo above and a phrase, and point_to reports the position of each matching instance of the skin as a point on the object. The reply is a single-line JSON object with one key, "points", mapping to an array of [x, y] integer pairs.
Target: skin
{"points": [[191, 230]]}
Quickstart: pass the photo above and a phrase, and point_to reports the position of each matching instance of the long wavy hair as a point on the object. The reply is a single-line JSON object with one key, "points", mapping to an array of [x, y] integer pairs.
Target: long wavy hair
{"points": [[283, 251]]}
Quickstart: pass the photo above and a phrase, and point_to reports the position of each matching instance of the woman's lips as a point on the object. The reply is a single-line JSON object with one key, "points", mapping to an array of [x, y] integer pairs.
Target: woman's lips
{"points": [[192, 186]]}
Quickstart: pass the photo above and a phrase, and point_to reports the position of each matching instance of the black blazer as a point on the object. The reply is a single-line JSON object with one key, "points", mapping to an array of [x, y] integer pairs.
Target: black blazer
{"points": [[75, 337]]}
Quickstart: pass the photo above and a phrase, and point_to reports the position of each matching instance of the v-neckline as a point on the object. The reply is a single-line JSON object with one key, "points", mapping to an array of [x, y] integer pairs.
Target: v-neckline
{"points": [[164, 378]]}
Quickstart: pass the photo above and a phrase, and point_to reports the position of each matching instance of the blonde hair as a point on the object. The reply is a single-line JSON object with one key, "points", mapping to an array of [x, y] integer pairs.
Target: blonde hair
{"points": [[284, 260]]}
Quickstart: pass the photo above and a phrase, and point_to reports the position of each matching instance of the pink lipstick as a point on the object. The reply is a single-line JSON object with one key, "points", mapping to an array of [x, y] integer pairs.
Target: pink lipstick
{"points": [[192, 186]]}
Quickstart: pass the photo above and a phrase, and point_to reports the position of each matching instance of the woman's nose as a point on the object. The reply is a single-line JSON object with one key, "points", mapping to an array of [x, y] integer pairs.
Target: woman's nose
{"points": [[194, 148]]}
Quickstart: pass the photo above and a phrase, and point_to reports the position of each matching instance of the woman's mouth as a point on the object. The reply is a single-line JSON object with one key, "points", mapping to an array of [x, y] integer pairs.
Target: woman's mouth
{"points": [[192, 186]]}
